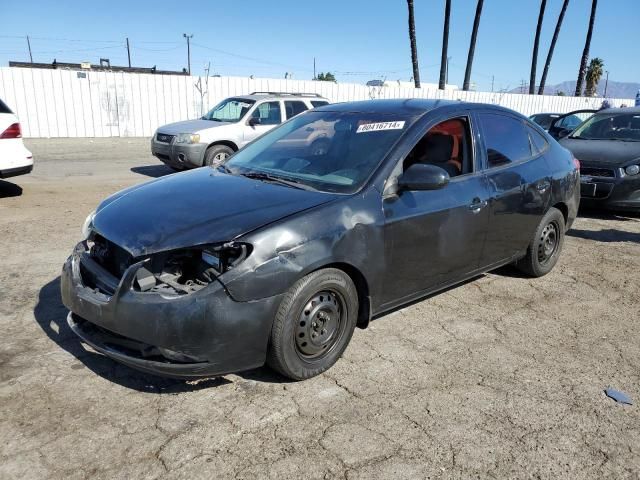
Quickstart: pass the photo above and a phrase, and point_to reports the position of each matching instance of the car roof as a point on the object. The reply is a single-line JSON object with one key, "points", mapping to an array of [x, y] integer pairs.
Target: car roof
{"points": [[280, 95], [410, 106], [630, 110]]}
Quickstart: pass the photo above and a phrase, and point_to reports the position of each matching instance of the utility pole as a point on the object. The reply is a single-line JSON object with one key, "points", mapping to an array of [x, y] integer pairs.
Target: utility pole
{"points": [[128, 52], [493, 77], [29, 45], [606, 84], [314, 68], [188, 37], [447, 71]]}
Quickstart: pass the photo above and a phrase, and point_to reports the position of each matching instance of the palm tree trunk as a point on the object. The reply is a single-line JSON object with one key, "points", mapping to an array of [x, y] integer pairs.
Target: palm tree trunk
{"points": [[585, 52], [552, 47], [445, 46], [414, 49], [472, 45], [536, 43]]}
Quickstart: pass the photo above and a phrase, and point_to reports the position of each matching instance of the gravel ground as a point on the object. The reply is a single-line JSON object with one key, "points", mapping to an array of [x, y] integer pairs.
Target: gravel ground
{"points": [[502, 377]]}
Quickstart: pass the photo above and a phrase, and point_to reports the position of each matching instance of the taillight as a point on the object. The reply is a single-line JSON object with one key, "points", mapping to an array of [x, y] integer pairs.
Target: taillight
{"points": [[576, 162], [13, 131]]}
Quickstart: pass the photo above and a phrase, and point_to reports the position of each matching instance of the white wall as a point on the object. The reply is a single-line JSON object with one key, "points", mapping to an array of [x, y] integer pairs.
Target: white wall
{"points": [[59, 103]]}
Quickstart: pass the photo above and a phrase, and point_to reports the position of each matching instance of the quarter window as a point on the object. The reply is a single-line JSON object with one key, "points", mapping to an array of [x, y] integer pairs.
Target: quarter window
{"points": [[268, 113], [506, 139], [538, 143], [293, 108]]}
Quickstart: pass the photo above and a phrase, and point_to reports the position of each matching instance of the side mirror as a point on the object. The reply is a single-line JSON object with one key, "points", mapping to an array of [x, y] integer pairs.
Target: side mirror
{"points": [[420, 176], [253, 121]]}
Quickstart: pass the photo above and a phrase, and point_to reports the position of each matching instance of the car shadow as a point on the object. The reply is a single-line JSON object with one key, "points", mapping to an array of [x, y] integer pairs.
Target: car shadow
{"points": [[153, 171], [607, 236], [608, 214], [8, 189], [51, 315]]}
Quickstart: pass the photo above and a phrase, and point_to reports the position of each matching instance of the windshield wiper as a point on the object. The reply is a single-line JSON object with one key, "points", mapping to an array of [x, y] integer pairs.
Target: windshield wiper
{"points": [[274, 179], [224, 168]]}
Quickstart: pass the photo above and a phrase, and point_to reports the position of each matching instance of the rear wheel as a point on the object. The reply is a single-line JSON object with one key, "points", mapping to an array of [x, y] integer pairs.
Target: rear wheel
{"points": [[314, 324], [216, 154], [545, 246]]}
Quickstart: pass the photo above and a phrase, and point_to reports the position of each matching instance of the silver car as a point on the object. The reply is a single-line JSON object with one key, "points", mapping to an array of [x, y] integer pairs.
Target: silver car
{"points": [[229, 126]]}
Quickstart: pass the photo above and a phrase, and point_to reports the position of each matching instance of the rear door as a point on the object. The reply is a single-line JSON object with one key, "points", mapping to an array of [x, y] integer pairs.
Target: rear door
{"points": [[518, 177]]}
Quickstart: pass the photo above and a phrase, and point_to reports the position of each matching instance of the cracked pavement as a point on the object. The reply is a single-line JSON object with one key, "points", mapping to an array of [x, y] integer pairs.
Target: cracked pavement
{"points": [[501, 377]]}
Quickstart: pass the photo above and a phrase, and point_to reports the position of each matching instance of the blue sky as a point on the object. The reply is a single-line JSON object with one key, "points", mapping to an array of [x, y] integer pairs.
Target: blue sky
{"points": [[359, 40]]}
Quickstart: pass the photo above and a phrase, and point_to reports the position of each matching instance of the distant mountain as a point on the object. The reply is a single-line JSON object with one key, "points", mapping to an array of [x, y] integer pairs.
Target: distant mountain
{"points": [[614, 89]]}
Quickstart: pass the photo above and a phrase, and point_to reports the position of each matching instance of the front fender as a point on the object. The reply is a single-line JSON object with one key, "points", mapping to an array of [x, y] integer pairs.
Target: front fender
{"points": [[348, 231]]}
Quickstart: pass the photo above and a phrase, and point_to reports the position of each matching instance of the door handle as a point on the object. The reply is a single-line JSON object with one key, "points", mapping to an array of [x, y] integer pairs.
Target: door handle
{"points": [[477, 205]]}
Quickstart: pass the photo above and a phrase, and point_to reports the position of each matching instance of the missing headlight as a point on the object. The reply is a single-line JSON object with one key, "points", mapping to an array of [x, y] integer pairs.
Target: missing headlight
{"points": [[187, 271]]}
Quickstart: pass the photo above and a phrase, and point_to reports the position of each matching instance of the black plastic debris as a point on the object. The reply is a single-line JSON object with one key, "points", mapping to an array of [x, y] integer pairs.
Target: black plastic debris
{"points": [[618, 396]]}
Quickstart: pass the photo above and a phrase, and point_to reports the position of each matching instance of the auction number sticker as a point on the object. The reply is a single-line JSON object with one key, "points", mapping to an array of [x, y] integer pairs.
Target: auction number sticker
{"points": [[376, 127]]}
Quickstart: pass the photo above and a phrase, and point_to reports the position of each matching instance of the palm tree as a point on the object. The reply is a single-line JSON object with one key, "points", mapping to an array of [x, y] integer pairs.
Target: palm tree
{"points": [[414, 49], [552, 47], [472, 45], [585, 52], [445, 46], [594, 74], [536, 43]]}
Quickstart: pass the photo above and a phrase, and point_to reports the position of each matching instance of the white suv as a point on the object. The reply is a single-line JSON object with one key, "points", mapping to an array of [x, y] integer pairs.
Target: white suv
{"points": [[229, 126], [15, 159]]}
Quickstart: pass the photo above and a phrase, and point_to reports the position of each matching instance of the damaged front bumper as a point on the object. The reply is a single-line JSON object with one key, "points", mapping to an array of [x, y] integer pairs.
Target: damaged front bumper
{"points": [[200, 334]]}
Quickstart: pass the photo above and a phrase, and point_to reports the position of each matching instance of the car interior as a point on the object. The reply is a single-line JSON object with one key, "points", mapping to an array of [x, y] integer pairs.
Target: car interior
{"points": [[447, 146]]}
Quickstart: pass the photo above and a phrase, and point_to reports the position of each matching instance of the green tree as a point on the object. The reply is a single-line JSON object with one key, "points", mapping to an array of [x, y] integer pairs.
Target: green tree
{"points": [[594, 74], [552, 47], [472, 45], [326, 77], [414, 49], [536, 43], [587, 46]]}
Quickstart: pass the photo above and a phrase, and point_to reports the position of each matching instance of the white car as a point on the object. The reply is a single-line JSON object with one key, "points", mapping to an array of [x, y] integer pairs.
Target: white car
{"points": [[15, 159], [228, 127]]}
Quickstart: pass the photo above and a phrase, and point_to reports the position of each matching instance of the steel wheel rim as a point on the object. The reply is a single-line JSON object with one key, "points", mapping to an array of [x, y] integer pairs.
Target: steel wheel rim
{"points": [[219, 157], [319, 325], [548, 245]]}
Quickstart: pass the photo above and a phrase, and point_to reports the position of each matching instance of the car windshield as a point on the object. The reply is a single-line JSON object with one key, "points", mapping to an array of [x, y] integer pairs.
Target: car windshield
{"points": [[322, 150], [610, 126], [544, 120], [229, 110]]}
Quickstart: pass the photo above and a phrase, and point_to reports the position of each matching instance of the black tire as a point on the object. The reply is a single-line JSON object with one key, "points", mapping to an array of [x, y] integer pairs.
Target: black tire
{"points": [[314, 324], [216, 154], [545, 246], [176, 169]]}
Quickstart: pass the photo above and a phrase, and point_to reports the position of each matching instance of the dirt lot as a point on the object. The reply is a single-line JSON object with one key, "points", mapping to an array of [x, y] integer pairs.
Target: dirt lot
{"points": [[502, 377]]}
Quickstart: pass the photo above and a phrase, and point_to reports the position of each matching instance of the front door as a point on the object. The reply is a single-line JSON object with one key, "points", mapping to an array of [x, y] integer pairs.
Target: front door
{"points": [[264, 117], [435, 237]]}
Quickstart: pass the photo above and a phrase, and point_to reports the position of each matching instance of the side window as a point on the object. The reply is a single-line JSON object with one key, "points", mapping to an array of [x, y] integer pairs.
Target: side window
{"points": [[446, 145], [506, 139], [268, 113], [319, 103], [294, 107], [538, 142]]}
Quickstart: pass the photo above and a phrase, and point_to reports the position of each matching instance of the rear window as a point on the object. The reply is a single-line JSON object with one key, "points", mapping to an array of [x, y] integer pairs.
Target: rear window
{"points": [[4, 108], [505, 139], [319, 103]]}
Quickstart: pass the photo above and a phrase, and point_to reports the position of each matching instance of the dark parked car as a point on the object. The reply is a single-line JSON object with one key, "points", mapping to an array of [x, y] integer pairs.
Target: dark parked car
{"points": [[608, 148], [279, 253], [545, 120]]}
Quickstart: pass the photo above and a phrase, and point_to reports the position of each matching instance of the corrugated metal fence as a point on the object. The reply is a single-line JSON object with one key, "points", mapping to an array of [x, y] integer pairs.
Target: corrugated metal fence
{"points": [[63, 103]]}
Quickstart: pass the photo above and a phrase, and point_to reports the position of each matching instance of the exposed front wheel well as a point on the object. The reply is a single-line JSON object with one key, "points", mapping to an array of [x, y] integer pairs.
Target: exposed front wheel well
{"points": [[362, 287]]}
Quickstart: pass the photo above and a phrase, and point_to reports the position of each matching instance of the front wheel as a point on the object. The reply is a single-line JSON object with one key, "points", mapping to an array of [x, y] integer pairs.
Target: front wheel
{"points": [[314, 324], [216, 154], [545, 246]]}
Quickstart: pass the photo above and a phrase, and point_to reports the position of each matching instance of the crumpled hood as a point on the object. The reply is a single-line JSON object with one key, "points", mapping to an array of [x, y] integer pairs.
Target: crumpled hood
{"points": [[190, 126], [194, 208], [610, 153]]}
